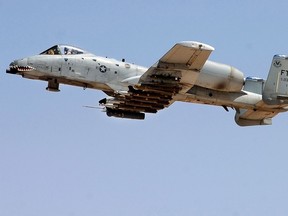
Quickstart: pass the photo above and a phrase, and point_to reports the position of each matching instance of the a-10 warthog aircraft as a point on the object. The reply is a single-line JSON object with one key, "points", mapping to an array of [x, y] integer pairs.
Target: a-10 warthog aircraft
{"points": [[182, 74]]}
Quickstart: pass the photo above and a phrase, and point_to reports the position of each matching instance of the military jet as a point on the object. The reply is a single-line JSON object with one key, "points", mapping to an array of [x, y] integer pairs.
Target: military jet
{"points": [[184, 73]]}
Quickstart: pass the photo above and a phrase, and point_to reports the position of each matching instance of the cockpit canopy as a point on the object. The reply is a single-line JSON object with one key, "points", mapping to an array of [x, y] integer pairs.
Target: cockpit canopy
{"points": [[63, 50]]}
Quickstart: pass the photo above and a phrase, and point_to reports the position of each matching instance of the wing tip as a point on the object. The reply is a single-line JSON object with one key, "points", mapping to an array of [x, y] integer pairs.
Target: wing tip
{"points": [[195, 44]]}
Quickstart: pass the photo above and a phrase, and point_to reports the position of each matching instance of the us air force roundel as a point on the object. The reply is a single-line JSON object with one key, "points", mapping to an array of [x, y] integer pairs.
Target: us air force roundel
{"points": [[103, 68]]}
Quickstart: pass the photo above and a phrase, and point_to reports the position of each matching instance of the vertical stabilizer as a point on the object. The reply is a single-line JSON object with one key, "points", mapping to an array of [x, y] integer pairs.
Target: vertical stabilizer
{"points": [[276, 87]]}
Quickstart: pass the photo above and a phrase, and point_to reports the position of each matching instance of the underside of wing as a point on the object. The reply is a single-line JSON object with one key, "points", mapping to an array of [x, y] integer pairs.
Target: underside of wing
{"points": [[253, 117], [176, 72], [182, 62]]}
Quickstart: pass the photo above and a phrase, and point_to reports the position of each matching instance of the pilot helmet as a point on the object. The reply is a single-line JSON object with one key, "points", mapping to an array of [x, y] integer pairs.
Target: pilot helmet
{"points": [[66, 50]]}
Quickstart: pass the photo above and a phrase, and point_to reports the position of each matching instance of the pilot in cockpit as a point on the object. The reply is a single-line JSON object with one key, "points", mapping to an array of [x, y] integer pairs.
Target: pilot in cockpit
{"points": [[62, 50], [67, 51], [52, 51]]}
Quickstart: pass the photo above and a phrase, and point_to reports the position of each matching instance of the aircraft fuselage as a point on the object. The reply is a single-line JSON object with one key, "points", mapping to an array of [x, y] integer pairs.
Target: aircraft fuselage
{"points": [[206, 83]]}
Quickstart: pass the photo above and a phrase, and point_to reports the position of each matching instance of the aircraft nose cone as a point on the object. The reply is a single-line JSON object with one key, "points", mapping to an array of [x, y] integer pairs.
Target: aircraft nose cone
{"points": [[13, 67], [20, 62], [14, 63], [19, 66]]}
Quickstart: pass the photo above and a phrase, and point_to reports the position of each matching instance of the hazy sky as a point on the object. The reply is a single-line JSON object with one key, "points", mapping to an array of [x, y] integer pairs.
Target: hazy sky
{"points": [[58, 158]]}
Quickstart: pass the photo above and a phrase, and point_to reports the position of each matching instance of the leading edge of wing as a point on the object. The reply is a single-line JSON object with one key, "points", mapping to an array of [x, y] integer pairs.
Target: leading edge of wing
{"points": [[195, 44], [189, 53]]}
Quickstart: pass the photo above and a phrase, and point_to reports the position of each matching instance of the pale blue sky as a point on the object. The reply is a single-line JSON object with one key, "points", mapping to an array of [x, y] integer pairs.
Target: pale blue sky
{"points": [[58, 158]]}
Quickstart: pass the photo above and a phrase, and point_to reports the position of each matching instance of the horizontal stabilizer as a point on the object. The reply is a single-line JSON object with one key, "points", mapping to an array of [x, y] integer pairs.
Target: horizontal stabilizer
{"points": [[247, 117]]}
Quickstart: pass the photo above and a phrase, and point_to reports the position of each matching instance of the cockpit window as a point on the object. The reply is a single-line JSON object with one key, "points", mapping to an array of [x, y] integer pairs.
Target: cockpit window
{"points": [[72, 51], [63, 50], [52, 51]]}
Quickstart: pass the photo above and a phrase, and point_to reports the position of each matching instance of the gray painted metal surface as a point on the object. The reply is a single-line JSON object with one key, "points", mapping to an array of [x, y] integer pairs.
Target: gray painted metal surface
{"points": [[184, 73]]}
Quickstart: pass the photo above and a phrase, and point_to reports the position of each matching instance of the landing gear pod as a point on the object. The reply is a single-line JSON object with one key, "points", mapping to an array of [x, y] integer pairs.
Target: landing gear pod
{"points": [[53, 86]]}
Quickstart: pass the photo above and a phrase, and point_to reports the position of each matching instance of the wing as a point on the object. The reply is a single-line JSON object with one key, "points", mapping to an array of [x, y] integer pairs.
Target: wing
{"points": [[176, 72], [180, 66], [251, 117]]}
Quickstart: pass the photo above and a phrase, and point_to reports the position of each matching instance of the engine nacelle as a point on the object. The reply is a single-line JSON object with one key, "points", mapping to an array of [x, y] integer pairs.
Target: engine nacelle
{"points": [[220, 77]]}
